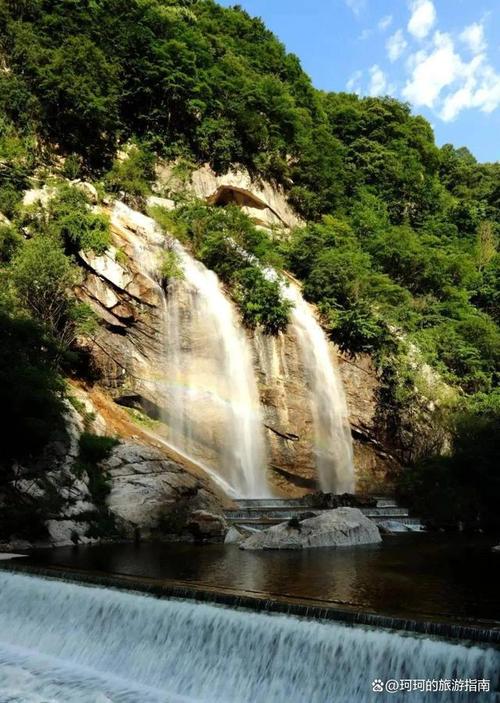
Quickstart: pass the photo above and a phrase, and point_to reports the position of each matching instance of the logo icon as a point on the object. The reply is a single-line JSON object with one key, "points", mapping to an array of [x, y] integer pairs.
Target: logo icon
{"points": [[377, 685]]}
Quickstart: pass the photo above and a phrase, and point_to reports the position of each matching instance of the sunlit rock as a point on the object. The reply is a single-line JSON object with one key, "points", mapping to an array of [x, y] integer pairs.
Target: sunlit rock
{"points": [[342, 527]]}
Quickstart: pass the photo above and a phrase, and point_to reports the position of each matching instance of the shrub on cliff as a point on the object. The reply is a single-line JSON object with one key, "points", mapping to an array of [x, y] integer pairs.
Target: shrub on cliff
{"points": [[71, 221], [132, 173], [261, 301]]}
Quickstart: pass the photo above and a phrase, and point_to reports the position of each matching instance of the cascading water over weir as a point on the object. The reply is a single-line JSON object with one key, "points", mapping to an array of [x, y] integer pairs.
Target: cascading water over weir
{"points": [[106, 646]]}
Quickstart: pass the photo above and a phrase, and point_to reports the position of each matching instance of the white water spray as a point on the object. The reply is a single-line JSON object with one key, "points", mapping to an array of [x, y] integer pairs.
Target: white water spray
{"points": [[333, 441], [106, 646], [211, 390], [208, 387]]}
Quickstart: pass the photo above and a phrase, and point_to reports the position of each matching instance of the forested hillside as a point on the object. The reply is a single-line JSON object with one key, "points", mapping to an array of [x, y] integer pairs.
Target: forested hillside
{"points": [[400, 249]]}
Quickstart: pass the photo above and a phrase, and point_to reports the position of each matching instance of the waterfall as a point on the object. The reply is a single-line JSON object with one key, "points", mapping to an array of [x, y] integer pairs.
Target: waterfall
{"points": [[209, 391], [333, 441], [207, 385], [107, 646], [212, 398]]}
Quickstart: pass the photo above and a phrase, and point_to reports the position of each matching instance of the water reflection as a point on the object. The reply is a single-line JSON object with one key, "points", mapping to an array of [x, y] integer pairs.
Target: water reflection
{"points": [[407, 575]]}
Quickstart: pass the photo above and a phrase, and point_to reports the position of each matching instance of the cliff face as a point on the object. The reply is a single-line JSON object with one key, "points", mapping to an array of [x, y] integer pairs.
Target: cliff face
{"points": [[129, 360]]}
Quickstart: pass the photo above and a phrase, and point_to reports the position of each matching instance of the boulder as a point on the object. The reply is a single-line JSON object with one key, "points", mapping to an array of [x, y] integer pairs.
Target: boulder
{"points": [[237, 535], [65, 532], [207, 526], [342, 527], [88, 189], [155, 495], [165, 203], [38, 196], [396, 526]]}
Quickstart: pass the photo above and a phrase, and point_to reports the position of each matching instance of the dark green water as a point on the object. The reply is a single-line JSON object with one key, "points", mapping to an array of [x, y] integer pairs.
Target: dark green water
{"points": [[448, 577]]}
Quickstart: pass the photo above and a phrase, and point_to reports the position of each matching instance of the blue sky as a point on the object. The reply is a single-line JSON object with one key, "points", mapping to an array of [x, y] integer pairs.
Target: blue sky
{"points": [[442, 56]]}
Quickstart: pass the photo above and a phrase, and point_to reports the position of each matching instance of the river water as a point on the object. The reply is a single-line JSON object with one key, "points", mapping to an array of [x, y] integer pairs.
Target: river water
{"points": [[442, 576]]}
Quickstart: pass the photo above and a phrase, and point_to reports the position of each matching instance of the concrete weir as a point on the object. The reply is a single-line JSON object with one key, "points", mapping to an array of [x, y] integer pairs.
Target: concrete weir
{"points": [[77, 643], [322, 610]]}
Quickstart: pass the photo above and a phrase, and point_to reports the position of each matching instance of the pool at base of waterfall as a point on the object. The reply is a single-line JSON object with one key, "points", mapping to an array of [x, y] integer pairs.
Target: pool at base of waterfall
{"points": [[64, 642], [450, 578]]}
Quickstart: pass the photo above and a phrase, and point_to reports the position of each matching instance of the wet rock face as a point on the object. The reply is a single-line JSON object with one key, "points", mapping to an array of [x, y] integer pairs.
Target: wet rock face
{"points": [[128, 356], [343, 527], [374, 461], [287, 413], [122, 289]]}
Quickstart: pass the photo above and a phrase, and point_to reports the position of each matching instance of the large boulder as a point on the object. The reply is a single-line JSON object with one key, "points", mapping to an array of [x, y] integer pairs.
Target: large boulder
{"points": [[343, 527], [237, 535], [154, 496]]}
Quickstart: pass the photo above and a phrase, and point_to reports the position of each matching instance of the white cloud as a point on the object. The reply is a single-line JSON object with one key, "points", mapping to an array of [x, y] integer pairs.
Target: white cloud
{"points": [[385, 23], [357, 6], [395, 45], [473, 37], [365, 34], [353, 85], [378, 82], [448, 73], [432, 71], [480, 89], [443, 81], [423, 17]]}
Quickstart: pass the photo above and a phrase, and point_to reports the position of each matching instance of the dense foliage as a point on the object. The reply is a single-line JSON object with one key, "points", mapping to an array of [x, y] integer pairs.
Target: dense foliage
{"points": [[40, 317], [465, 486], [228, 243], [400, 249]]}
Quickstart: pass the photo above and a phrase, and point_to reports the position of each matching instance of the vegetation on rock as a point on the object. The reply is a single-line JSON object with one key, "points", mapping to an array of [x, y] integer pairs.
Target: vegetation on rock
{"points": [[228, 243]]}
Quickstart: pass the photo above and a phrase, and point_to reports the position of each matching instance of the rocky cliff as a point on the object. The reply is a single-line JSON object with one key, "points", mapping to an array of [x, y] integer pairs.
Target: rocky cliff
{"points": [[153, 489], [128, 355], [149, 493]]}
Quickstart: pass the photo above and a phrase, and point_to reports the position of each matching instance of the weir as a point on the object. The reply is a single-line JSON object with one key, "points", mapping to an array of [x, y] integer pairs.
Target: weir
{"points": [[137, 648]]}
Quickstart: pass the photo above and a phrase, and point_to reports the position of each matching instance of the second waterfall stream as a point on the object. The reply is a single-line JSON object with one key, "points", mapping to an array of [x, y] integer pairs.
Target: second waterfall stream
{"points": [[333, 442]]}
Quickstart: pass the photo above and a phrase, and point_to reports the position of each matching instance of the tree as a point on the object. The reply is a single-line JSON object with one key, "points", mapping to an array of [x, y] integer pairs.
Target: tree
{"points": [[43, 277], [32, 390]]}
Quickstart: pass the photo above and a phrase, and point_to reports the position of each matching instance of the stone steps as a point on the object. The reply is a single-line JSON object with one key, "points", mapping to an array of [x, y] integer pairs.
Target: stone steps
{"points": [[264, 512], [286, 513], [254, 503]]}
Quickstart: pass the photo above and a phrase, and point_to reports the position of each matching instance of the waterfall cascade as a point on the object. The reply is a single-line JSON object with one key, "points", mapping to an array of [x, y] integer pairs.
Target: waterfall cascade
{"points": [[211, 390], [105, 646], [207, 381], [333, 441]]}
